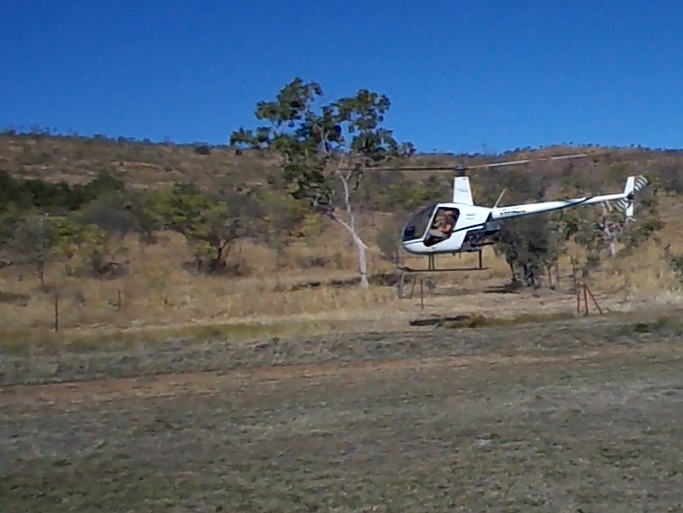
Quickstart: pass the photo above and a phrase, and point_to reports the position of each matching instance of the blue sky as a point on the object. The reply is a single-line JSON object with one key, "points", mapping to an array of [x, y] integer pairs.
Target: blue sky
{"points": [[462, 75]]}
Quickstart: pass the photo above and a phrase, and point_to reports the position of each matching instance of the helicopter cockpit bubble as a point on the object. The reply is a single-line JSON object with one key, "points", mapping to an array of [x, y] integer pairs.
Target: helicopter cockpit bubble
{"points": [[417, 225], [443, 223]]}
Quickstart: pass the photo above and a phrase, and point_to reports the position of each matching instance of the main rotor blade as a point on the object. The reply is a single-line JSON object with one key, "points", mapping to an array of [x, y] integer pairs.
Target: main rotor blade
{"points": [[458, 167], [526, 161]]}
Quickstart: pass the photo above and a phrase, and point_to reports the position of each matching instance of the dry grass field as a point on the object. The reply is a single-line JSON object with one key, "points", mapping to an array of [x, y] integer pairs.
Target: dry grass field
{"points": [[552, 416], [156, 294]]}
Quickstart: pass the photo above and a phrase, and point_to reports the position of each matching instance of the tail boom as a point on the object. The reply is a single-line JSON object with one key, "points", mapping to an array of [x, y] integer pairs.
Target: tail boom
{"points": [[624, 201]]}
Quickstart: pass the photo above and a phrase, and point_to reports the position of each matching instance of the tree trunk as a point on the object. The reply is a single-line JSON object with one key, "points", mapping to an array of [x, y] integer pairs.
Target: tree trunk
{"points": [[351, 228], [360, 251], [216, 261], [608, 235], [362, 262]]}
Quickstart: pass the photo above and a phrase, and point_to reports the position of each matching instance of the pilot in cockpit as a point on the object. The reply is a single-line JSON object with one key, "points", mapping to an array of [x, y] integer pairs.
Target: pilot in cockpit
{"points": [[443, 225]]}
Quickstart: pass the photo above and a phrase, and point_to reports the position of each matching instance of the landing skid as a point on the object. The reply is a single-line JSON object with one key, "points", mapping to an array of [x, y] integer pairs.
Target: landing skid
{"points": [[431, 266], [410, 270]]}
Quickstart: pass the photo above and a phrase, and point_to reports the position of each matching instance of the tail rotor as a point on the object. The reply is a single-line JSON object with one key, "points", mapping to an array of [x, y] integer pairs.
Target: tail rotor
{"points": [[633, 185]]}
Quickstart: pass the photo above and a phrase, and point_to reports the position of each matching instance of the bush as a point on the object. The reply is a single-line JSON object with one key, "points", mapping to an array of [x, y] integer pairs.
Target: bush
{"points": [[676, 265]]}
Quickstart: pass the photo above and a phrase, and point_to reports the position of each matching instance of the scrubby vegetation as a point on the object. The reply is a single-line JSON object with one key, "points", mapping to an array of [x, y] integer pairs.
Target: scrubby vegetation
{"points": [[74, 209]]}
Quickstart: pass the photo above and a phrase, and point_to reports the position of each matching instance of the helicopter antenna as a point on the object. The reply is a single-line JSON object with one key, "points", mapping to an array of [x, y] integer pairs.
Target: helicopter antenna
{"points": [[500, 197], [460, 167]]}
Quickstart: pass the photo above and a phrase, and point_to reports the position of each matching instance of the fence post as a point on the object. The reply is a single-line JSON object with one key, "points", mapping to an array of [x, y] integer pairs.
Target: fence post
{"points": [[412, 287], [595, 301], [56, 312], [585, 297], [399, 284]]}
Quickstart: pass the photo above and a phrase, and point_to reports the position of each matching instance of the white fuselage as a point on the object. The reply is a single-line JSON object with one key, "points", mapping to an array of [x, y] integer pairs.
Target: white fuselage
{"points": [[471, 218]]}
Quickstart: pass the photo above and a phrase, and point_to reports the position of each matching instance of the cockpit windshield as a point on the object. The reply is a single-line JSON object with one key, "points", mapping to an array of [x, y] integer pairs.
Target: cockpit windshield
{"points": [[417, 225], [443, 220]]}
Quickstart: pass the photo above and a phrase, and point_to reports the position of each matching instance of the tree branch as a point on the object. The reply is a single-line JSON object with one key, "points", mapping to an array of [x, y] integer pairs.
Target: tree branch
{"points": [[349, 228]]}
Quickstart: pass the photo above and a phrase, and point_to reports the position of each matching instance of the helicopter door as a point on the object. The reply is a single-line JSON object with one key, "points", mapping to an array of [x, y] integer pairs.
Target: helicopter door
{"points": [[417, 225], [442, 225]]}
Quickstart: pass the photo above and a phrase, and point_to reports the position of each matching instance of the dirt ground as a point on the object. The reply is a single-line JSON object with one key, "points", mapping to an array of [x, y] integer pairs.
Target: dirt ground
{"points": [[581, 415]]}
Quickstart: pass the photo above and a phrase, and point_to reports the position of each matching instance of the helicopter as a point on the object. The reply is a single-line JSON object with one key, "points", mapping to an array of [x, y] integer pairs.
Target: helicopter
{"points": [[469, 227]]}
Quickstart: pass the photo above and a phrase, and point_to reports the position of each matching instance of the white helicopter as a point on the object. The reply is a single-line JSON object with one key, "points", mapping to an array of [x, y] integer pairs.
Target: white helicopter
{"points": [[469, 227]]}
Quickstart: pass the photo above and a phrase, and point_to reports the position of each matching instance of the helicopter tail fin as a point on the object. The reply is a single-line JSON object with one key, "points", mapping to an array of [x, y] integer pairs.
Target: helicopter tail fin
{"points": [[462, 192], [633, 184]]}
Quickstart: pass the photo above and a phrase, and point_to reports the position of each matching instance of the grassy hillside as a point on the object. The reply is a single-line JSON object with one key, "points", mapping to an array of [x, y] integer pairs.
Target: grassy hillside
{"points": [[148, 165], [270, 282]]}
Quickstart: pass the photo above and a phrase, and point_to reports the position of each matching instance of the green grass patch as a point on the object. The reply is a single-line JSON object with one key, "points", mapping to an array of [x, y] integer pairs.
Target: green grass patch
{"points": [[68, 488], [480, 321], [661, 325], [22, 342]]}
